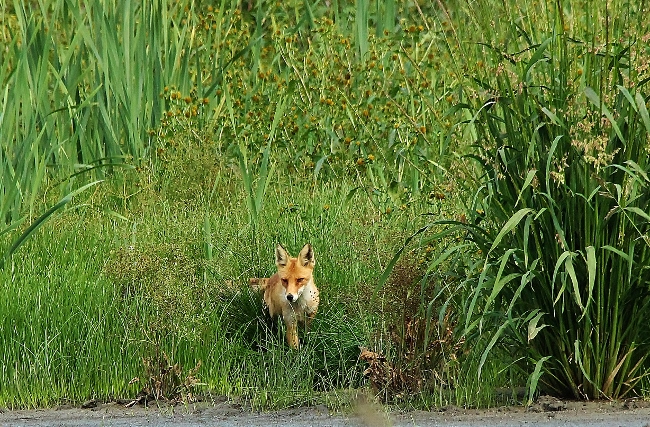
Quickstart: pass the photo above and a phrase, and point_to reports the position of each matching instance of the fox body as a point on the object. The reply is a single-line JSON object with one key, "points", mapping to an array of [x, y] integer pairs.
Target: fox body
{"points": [[291, 292]]}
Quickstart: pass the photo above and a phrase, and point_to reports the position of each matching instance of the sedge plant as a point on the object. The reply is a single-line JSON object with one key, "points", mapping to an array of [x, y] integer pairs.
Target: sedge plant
{"points": [[560, 218]]}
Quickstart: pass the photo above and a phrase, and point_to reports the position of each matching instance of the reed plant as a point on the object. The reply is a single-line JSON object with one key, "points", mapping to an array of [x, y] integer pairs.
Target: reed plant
{"points": [[78, 99], [560, 218], [92, 87]]}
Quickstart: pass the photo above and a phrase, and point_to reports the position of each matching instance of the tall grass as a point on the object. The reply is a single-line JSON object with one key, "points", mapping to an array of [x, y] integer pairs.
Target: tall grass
{"points": [[64, 337], [560, 218], [87, 86], [333, 123], [145, 291], [78, 98], [82, 89]]}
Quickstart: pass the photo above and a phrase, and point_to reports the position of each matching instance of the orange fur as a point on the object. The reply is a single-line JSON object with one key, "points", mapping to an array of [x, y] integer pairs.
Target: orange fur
{"points": [[291, 292]]}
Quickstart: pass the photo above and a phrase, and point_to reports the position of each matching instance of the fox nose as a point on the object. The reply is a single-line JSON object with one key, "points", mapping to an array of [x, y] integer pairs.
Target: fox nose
{"points": [[290, 297]]}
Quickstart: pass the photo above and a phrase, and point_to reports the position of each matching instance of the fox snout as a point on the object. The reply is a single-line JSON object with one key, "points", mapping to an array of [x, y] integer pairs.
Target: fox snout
{"points": [[294, 294]]}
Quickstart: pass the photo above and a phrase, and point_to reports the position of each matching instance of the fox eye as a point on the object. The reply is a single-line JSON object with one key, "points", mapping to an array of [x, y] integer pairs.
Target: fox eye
{"points": [[300, 280], [285, 281]]}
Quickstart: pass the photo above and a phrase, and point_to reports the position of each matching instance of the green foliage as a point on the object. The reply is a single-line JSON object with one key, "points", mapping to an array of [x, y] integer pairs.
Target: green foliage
{"points": [[61, 322], [562, 144], [156, 304], [37, 223], [277, 85], [77, 97], [168, 280], [334, 123], [324, 111]]}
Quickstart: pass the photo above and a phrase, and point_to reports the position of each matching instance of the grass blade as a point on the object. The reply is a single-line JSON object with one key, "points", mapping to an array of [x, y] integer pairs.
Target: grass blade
{"points": [[41, 220]]}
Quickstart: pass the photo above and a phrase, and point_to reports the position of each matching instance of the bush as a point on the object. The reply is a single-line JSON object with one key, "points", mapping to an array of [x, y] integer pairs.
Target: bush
{"points": [[561, 217]]}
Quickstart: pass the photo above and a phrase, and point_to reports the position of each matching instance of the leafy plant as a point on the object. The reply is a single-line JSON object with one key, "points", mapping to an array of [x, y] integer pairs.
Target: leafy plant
{"points": [[564, 235]]}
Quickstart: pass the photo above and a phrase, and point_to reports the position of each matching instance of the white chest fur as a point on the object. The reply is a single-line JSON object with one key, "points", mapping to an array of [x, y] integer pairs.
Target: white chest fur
{"points": [[308, 297]]}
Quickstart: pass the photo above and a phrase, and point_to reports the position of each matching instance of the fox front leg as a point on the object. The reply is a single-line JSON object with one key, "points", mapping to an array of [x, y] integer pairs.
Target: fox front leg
{"points": [[291, 323], [292, 333]]}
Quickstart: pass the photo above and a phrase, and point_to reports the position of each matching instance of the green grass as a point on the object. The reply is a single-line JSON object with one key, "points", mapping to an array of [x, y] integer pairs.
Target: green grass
{"points": [[64, 325], [77, 323], [148, 172], [559, 217]]}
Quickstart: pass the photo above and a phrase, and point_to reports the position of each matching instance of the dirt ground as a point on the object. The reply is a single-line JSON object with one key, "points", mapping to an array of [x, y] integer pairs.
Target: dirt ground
{"points": [[546, 412]]}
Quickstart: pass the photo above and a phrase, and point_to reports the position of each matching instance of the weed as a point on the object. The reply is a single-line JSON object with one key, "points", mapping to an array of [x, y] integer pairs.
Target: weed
{"points": [[167, 381], [169, 281], [423, 349]]}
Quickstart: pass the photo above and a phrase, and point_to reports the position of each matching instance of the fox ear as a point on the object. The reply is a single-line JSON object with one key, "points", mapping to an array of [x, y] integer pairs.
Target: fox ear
{"points": [[281, 256], [306, 257]]}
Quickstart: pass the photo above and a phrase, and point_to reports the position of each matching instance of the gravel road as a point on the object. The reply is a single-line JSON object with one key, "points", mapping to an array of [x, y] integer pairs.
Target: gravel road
{"points": [[224, 414]]}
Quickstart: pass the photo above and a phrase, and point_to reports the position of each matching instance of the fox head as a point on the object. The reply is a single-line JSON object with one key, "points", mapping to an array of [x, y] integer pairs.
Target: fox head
{"points": [[295, 273]]}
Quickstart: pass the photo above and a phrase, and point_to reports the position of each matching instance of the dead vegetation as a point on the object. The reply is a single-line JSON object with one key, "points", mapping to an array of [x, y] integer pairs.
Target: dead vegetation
{"points": [[423, 350], [166, 381]]}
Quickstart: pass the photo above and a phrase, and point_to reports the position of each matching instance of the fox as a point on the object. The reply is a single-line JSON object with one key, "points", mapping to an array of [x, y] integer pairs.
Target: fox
{"points": [[291, 292]]}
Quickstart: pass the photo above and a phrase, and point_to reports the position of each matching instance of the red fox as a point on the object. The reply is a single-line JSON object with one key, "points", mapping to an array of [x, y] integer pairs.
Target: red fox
{"points": [[291, 292]]}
